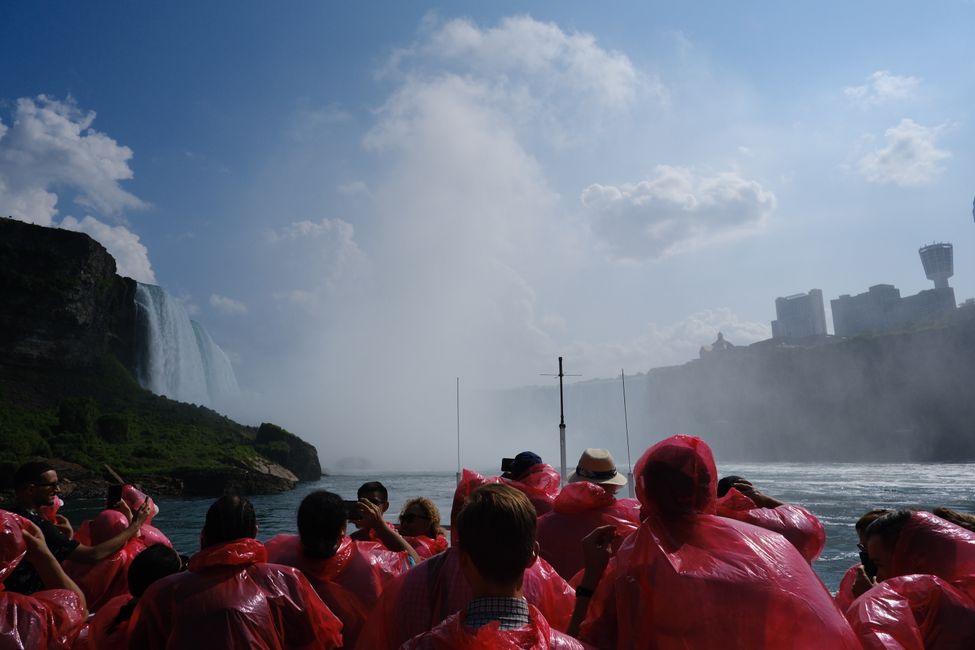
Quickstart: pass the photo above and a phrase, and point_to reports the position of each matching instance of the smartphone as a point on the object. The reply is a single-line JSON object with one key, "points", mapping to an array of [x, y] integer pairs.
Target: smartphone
{"points": [[353, 510], [507, 464], [114, 496], [868, 566]]}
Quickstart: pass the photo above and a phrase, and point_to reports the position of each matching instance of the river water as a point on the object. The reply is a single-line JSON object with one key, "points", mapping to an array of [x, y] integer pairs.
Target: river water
{"points": [[837, 493]]}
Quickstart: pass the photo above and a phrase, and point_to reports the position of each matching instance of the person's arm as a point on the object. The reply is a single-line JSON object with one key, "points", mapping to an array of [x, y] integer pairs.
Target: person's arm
{"points": [[597, 549], [758, 498], [92, 554], [372, 517], [46, 565]]}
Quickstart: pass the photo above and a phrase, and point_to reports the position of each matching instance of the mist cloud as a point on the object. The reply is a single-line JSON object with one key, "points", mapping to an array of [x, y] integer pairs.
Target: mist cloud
{"points": [[674, 211]]}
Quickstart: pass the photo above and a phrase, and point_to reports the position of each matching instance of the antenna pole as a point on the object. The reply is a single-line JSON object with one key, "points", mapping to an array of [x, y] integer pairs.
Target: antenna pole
{"points": [[561, 417], [626, 424], [562, 422], [458, 430]]}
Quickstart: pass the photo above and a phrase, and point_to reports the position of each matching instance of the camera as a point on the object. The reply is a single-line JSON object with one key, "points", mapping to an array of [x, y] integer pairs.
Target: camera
{"points": [[507, 464], [353, 510]]}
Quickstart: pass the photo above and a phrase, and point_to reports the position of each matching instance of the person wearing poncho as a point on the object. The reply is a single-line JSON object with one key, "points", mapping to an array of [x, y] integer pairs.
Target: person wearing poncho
{"points": [[497, 544], [231, 597], [690, 579]]}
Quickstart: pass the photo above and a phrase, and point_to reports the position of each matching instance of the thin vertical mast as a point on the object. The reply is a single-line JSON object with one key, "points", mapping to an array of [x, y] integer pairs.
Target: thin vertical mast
{"points": [[458, 430], [626, 424]]}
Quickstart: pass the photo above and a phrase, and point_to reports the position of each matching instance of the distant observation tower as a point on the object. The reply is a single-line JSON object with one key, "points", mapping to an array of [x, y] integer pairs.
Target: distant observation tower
{"points": [[939, 264]]}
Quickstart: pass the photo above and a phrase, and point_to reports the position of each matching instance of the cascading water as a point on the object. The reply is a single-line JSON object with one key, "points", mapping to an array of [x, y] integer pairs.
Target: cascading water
{"points": [[179, 358]]}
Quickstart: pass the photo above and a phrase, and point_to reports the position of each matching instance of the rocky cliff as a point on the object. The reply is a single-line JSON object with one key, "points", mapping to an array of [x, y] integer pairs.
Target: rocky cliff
{"points": [[897, 397], [68, 347]]}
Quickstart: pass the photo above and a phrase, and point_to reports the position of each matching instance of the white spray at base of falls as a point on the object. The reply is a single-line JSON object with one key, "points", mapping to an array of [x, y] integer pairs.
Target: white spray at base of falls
{"points": [[179, 358]]}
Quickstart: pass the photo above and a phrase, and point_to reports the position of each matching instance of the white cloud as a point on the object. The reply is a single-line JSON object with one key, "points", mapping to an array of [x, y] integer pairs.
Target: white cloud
{"points": [[227, 305], [323, 253], [556, 85], [882, 87], [910, 158], [675, 211], [131, 257], [51, 145]]}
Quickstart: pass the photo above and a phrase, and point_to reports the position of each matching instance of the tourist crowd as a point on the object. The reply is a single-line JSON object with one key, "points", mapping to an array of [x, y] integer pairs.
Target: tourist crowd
{"points": [[693, 562]]}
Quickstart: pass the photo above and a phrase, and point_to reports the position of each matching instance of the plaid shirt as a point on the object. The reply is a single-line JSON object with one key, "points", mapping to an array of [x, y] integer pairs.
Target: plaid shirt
{"points": [[512, 613]]}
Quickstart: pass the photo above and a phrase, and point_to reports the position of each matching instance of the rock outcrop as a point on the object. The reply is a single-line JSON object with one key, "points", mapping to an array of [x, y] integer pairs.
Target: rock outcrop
{"points": [[289, 450]]}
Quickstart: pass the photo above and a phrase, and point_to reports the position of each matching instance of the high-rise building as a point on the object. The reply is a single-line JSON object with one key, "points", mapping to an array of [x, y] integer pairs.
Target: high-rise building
{"points": [[881, 309], [939, 263], [799, 315]]}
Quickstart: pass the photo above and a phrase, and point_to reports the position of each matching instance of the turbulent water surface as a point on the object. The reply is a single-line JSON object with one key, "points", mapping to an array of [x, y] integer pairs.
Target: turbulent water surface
{"points": [[837, 493]]}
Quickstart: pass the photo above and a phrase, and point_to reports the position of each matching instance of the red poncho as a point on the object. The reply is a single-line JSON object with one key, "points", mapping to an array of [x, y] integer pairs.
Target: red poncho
{"points": [[433, 590], [349, 582], [793, 522], [844, 595], [108, 578], [690, 579], [929, 544], [427, 547], [231, 598], [46, 619], [101, 634], [540, 485], [577, 511], [915, 612], [149, 533], [453, 634]]}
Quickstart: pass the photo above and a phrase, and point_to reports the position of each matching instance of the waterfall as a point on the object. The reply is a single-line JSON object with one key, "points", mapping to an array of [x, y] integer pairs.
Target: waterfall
{"points": [[179, 359]]}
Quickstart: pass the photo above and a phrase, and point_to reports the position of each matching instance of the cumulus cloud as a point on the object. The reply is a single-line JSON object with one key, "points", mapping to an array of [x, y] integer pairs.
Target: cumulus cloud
{"points": [[557, 85], [51, 145], [675, 210], [882, 87], [227, 305], [131, 256], [910, 157]]}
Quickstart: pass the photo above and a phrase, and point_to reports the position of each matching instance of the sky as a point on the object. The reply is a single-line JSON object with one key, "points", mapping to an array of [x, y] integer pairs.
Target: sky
{"points": [[363, 202]]}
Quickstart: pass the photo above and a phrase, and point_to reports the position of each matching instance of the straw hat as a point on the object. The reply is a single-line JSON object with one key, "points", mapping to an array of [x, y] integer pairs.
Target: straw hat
{"points": [[597, 466]]}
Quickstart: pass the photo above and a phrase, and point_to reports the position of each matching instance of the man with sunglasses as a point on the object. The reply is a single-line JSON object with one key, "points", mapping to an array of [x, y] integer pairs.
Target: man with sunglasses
{"points": [[36, 484]]}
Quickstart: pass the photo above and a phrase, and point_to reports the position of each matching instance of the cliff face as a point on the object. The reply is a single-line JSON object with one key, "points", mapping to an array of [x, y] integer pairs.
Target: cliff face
{"points": [[897, 397], [68, 346], [892, 398], [63, 304]]}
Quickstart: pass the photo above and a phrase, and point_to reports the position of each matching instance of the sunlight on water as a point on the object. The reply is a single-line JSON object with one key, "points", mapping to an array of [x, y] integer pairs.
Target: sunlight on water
{"points": [[836, 493]]}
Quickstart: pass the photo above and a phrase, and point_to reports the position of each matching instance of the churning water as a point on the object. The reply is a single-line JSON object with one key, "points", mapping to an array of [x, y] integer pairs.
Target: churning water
{"points": [[837, 493]]}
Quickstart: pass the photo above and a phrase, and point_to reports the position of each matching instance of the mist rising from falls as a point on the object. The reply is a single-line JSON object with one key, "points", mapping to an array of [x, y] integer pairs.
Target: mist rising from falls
{"points": [[179, 359]]}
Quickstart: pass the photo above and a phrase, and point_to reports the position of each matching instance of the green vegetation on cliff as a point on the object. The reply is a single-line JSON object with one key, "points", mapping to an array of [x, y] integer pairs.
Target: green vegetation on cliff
{"points": [[94, 416]]}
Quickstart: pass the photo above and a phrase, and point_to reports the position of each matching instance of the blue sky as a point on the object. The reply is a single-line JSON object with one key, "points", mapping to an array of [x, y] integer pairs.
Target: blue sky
{"points": [[348, 194]]}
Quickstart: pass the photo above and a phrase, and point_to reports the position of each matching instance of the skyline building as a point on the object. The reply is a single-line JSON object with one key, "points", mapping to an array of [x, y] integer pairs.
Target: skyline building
{"points": [[939, 263], [799, 316]]}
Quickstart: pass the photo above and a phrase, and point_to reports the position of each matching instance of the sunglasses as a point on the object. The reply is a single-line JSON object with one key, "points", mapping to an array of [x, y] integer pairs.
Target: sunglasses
{"points": [[52, 484], [409, 517]]}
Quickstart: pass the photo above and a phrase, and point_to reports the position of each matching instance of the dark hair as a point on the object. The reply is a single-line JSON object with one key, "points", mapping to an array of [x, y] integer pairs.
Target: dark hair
{"points": [[321, 517], [154, 563], [888, 527], [230, 517], [496, 528], [863, 523], [30, 472], [373, 486], [727, 483]]}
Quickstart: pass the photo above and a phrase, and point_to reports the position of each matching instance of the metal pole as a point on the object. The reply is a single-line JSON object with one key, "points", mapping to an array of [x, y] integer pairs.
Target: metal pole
{"points": [[458, 430], [626, 424], [562, 422]]}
